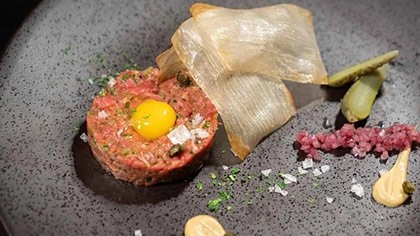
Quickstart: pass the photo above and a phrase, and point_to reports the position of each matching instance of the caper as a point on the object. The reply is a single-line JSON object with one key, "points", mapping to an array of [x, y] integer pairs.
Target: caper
{"points": [[408, 187], [183, 79], [175, 150]]}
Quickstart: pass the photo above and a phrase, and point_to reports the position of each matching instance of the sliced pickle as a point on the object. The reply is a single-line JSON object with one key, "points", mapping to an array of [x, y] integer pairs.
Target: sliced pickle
{"points": [[349, 74], [358, 101]]}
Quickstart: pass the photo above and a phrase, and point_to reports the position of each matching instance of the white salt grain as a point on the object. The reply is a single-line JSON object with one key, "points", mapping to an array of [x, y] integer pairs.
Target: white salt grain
{"points": [[329, 199], [316, 172], [288, 178], [325, 168], [266, 172], [84, 137], [357, 189], [102, 114], [197, 119], [111, 81], [307, 163], [277, 189], [301, 171], [179, 135], [138, 232]]}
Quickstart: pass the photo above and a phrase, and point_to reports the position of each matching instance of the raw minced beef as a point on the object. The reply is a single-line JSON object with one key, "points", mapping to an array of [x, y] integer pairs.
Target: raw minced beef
{"points": [[361, 140]]}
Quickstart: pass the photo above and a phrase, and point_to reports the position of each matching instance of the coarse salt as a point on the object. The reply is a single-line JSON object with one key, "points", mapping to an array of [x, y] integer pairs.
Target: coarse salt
{"points": [[277, 189], [266, 172], [138, 232], [301, 171], [84, 137], [102, 114], [316, 172], [329, 199], [307, 163], [199, 133], [325, 168], [197, 119], [111, 81], [179, 135], [288, 178], [357, 189]]}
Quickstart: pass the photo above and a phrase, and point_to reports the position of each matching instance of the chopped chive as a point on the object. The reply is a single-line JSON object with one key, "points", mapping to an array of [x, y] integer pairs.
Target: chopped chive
{"points": [[214, 204], [235, 170], [213, 175], [224, 195], [199, 185], [310, 200], [282, 185], [316, 185], [66, 49]]}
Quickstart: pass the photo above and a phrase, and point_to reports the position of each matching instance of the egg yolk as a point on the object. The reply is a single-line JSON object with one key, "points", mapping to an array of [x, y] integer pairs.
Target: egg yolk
{"points": [[153, 119]]}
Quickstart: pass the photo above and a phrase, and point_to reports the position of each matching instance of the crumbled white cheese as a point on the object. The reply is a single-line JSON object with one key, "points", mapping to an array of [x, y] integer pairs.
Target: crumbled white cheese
{"points": [[353, 180], [138, 232], [197, 119], [91, 81], [277, 189], [325, 168], [199, 133], [225, 167], [179, 135], [382, 172], [84, 137], [316, 172], [288, 178], [301, 171], [266, 172], [102, 114], [111, 81], [329, 199], [357, 189], [270, 189], [307, 163]]}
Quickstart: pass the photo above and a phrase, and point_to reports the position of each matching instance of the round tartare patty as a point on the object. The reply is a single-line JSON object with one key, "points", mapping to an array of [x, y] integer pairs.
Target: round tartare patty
{"points": [[127, 155]]}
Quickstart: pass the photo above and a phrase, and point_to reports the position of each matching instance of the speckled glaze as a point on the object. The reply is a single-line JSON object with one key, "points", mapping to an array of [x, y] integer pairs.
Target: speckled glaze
{"points": [[45, 94]]}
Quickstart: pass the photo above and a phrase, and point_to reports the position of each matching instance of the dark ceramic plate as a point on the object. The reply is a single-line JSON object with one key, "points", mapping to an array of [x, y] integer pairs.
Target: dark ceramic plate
{"points": [[50, 185]]}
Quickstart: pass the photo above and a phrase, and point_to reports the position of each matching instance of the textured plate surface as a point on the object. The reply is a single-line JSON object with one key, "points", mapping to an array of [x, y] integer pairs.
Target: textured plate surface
{"points": [[45, 94]]}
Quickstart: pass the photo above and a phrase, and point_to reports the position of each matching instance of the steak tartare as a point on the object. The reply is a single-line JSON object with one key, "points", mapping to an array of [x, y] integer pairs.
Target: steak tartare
{"points": [[130, 144]]}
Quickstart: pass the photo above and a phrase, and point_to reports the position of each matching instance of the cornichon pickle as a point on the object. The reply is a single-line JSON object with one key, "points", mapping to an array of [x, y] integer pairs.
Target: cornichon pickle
{"points": [[357, 102], [347, 75]]}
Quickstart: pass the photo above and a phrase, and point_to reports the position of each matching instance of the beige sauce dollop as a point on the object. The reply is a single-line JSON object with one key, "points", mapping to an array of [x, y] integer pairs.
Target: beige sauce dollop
{"points": [[203, 225], [388, 190]]}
